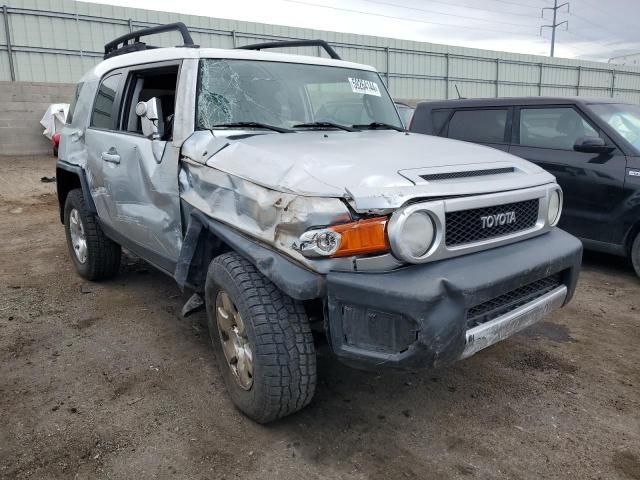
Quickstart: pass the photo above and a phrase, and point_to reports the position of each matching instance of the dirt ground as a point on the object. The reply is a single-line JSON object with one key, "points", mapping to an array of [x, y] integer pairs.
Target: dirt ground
{"points": [[107, 380]]}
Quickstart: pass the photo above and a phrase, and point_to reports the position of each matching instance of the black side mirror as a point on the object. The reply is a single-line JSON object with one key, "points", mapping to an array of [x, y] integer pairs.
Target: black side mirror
{"points": [[592, 145]]}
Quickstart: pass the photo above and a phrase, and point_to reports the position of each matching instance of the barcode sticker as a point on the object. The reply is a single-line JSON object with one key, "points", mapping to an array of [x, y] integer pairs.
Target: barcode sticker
{"points": [[366, 87]]}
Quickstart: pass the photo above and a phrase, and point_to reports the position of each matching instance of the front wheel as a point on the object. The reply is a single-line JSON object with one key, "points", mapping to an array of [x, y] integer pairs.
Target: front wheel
{"points": [[262, 340], [635, 254]]}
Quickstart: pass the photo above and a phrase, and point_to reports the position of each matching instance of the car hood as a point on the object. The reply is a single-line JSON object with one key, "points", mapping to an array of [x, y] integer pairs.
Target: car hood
{"points": [[374, 169]]}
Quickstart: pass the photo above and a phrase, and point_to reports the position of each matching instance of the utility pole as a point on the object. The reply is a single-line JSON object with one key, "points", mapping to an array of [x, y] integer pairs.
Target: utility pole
{"points": [[554, 25]]}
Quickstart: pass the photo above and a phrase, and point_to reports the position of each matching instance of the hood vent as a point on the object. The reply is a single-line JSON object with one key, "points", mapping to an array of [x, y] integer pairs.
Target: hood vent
{"points": [[466, 174]]}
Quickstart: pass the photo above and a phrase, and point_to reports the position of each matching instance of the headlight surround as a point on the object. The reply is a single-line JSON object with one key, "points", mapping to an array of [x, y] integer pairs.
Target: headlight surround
{"points": [[554, 207], [412, 233]]}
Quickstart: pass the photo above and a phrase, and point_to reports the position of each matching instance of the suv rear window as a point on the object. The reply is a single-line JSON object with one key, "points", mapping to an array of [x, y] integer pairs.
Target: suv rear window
{"points": [[438, 120], [482, 126]]}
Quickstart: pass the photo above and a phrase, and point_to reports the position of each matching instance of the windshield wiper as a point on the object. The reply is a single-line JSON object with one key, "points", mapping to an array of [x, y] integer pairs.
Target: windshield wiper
{"points": [[380, 125], [325, 125], [252, 125]]}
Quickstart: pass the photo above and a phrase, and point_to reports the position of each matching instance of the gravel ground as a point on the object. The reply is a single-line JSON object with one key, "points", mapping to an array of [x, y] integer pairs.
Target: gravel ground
{"points": [[107, 380]]}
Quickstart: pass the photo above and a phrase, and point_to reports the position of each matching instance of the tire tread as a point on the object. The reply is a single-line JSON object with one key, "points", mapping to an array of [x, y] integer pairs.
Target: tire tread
{"points": [[285, 346], [103, 260]]}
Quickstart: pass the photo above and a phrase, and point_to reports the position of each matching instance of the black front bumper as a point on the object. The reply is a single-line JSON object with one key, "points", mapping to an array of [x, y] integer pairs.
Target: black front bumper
{"points": [[416, 317]]}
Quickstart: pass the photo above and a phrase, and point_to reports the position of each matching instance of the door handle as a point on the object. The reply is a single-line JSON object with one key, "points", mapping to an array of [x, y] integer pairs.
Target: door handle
{"points": [[111, 156]]}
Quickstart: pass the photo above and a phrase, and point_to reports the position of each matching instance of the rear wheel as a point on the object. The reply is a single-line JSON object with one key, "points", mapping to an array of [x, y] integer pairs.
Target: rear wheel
{"points": [[94, 255], [262, 340], [635, 254]]}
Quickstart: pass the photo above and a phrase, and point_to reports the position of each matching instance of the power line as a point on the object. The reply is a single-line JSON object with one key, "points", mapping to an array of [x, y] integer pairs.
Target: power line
{"points": [[508, 2], [555, 24], [449, 4], [593, 24], [573, 45], [485, 29], [608, 13]]}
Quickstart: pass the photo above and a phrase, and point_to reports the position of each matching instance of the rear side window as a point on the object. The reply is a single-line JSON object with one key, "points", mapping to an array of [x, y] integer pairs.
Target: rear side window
{"points": [[438, 120], [74, 101], [557, 128], [102, 114], [482, 126]]}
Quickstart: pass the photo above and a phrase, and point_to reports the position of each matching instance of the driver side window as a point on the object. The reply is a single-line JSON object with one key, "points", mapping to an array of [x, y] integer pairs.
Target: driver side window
{"points": [[145, 84], [556, 128]]}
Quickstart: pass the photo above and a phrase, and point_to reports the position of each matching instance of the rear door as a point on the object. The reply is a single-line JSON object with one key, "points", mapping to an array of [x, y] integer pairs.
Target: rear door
{"points": [[489, 126], [592, 183]]}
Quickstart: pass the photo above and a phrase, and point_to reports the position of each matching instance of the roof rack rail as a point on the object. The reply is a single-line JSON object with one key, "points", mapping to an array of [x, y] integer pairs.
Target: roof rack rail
{"points": [[113, 49], [294, 43]]}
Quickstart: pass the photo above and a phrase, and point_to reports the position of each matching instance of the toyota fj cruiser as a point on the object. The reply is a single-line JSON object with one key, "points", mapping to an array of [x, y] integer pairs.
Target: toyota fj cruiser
{"points": [[285, 191]]}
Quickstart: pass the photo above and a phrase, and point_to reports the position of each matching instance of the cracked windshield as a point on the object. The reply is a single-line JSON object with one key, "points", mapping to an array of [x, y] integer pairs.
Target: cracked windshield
{"points": [[286, 96]]}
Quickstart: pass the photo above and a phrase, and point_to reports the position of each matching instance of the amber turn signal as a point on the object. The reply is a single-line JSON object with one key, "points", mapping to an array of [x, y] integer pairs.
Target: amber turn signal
{"points": [[363, 236]]}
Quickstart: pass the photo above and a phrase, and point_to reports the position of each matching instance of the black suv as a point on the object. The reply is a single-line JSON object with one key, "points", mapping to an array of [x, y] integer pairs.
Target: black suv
{"points": [[592, 146]]}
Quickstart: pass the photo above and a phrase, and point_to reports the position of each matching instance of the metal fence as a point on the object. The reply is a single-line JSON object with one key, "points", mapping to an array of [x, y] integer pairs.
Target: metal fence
{"points": [[58, 45]]}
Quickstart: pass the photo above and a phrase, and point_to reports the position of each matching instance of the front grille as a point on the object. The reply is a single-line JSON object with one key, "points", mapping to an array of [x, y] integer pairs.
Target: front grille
{"points": [[468, 226], [466, 174], [509, 301]]}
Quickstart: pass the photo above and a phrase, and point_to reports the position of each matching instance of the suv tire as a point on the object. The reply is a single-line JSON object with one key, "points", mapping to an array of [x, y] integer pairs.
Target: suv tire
{"points": [[267, 336], [635, 254], [95, 256]]}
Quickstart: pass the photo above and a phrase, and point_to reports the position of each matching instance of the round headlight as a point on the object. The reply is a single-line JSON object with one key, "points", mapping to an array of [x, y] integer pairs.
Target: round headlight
{"points": [[555, 206], [416, 234]]}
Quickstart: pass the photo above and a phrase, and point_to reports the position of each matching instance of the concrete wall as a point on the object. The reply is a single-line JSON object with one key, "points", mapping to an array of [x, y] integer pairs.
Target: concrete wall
{"points": [[22, 105]]}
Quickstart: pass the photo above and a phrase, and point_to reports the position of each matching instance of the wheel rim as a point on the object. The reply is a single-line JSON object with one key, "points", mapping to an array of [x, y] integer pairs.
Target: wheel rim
{"points": [[235, 343], [78, 236]]}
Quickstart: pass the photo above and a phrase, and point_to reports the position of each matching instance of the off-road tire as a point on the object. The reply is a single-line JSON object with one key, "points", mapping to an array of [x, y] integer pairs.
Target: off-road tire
{"points": [[103, 254], [284, 357], [635, 254]]}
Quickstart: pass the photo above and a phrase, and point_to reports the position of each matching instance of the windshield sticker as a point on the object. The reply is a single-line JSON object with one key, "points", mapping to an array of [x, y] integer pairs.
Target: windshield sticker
{"points": [[366, 87]]}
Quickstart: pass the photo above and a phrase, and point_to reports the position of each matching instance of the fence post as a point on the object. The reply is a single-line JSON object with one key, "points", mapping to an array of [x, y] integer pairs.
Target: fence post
{"points": [[613, 83], [130, 26], [7, 34], [79, 36], [446, 76], [541, 65], [233, 38], [579, 79], [497, 77], [386, 49]]}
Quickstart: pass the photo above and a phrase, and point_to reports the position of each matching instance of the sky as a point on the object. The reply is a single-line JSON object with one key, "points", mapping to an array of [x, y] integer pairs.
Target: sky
{"points": [[596, 29]]}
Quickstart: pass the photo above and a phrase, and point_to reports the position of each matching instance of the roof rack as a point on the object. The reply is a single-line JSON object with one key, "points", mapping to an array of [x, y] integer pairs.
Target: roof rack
{"points": [[113, 49], [294, 43]]}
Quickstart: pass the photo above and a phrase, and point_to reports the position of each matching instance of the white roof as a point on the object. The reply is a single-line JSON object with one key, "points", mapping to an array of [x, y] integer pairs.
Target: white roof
{"points": [[176, 53]]}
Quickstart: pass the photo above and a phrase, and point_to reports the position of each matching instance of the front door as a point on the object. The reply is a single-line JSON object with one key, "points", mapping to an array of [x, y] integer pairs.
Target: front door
{"points": [[136, 189], [592, 183]]}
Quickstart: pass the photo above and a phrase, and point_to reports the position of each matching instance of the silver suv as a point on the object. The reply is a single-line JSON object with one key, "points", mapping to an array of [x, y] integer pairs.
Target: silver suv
{"points": [[285, 192]]}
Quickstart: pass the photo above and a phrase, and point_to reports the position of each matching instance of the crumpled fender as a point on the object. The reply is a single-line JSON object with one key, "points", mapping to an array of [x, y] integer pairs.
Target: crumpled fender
{"points": [[205, 236]]}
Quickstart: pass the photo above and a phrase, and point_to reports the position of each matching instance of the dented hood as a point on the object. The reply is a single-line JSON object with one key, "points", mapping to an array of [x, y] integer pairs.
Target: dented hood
{"points": [[374, 169]]}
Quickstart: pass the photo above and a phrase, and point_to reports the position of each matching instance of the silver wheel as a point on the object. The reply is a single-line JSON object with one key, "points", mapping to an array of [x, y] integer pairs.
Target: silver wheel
{"points": [[235, 343], [78, 236]]}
